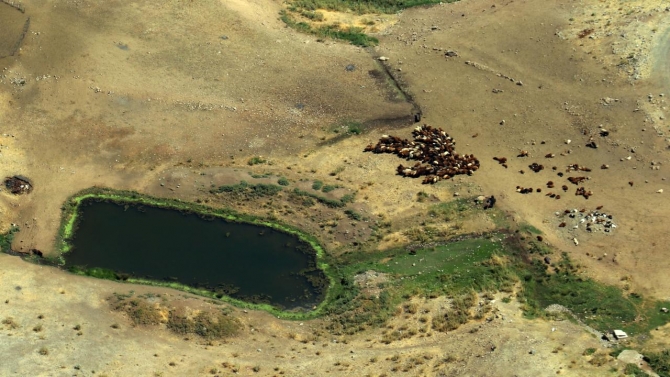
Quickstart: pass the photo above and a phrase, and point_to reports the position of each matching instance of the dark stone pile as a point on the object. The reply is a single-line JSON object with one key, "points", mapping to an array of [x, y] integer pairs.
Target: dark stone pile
{"points": [[433, 148], [18, 185]]}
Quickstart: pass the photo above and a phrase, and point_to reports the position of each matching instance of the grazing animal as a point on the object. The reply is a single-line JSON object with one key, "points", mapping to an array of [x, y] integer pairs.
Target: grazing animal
{"points": [[536, 167], [576, 180], [489, 202], [582, 191], [523, 154], [433, 149]]}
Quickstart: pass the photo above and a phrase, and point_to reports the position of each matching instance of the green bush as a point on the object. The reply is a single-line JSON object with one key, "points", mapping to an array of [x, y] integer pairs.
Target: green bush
{"points": [[317, 185], [634, 370], [248, 190], [283, 181], [256, 160], [353, 214], [659, 362], [329, 188]]}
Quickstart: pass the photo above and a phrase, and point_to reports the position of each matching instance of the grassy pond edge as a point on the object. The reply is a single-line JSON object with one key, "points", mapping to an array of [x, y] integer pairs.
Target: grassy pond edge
{"points": [[69, 222]]}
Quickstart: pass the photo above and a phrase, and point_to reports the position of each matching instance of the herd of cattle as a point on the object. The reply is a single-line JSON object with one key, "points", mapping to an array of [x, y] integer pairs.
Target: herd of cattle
{"points": [[434, 151]]}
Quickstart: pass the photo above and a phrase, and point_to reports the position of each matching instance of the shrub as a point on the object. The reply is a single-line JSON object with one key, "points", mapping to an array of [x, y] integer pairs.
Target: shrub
{"points": [[353, 214], [139, 311], [256, 160], [207, 324], [283, 181], [11, 323], [316, 185], [659, 362], [329, 188]]}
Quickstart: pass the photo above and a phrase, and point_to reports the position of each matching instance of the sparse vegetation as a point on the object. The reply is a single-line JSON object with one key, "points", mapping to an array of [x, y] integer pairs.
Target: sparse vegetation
{"points": [[43, 351], [249, 191], [10, 323], [140, 312], [600, 306], [634, 370], [207, 324], [332, 203], [659, 362], [353, 215], [256, 160], [360, 7], [329, 188], [354, 35]]}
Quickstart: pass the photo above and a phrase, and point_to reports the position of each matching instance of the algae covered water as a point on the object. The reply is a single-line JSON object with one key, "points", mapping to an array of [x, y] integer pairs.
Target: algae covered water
{"points": [[244, 261]]}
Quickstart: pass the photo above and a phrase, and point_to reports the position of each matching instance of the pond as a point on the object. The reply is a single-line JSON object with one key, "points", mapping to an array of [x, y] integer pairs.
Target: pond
{"points": [[248, 262]]}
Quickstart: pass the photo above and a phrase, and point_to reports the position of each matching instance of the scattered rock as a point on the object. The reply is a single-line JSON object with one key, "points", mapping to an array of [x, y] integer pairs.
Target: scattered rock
{"points": [[18, 184], [630, 357]]}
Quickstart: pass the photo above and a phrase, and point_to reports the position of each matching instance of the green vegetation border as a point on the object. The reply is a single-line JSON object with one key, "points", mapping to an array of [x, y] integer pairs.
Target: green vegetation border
{"points": [[69, 221]]}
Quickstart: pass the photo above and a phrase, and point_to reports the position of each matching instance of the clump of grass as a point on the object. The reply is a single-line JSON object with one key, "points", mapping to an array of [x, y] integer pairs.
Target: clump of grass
{"points": [[352, 128], [353, 214], [329, 188], [314, 16], [337, 171], [207, 324], [458, 314], [360, 7], [256, 160], [659, 362], [43, 351], [283, 181], [140, 312], [316, 185], [634, 370], [600, 306], [249, 191], [11, 323], [332, 203], [354, 35], [589, 351]]}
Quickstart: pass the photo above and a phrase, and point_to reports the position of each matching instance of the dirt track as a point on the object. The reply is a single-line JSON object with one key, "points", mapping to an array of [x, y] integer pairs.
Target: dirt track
{"points": [[147, 97]]}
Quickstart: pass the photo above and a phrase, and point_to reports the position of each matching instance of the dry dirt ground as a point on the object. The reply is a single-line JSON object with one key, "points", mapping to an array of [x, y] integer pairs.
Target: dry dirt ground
{"points": [[170, 98]]}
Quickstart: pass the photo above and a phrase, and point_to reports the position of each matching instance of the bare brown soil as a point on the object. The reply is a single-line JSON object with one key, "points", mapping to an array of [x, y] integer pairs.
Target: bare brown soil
{"points": [[151, 97]]}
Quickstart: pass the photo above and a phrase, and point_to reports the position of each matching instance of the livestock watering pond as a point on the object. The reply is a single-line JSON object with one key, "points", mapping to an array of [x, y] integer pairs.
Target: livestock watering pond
{"points": [[136, 241]]}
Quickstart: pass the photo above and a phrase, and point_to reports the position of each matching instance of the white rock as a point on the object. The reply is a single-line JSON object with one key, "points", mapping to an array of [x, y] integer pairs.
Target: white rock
{"points": [[575, 241], [660, 191], [383, 58], [568, 141]]}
